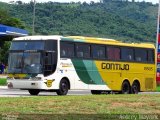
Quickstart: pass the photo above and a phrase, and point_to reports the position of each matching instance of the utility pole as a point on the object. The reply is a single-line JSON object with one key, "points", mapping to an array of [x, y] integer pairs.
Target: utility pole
{"points": [[33, 25]]}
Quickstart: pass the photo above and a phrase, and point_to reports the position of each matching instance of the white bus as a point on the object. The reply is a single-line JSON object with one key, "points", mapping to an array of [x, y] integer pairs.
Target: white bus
{"points": [[57, 63]]}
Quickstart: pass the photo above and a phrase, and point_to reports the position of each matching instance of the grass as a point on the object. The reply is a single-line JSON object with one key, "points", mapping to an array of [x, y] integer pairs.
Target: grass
{"points": [[3, 81], [80, 107], [158, 88]]}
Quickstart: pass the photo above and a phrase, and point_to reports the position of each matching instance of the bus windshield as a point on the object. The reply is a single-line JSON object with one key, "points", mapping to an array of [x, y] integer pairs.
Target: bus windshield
{"points": [[25, 62], [27, 45]]}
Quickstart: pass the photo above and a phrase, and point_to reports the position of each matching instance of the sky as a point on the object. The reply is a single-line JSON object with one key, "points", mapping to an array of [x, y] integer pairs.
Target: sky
{"points": [[153, 1]]}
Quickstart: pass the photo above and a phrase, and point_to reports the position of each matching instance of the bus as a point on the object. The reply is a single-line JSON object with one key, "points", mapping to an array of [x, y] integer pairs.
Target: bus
{"points": [[62, 63]]}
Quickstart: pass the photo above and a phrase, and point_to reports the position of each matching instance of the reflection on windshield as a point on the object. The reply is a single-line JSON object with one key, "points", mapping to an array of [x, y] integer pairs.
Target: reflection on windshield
{"points": [[24, 63], [15, 62], [27, 45], [32, 63]]}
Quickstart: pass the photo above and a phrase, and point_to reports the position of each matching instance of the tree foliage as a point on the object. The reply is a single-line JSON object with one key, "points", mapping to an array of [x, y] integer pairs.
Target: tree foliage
{"points": [[118, 19], [6, 19]]}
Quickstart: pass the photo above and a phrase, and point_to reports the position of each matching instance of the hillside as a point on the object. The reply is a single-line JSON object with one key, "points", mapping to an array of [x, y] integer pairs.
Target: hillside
{"points": [[122, 20]]}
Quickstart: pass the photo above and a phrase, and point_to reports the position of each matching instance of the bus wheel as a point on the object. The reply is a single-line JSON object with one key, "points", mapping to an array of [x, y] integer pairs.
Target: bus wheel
{"points": [[34, 91], [63, 87], [125, 88], [95, 92], [135, 88]]}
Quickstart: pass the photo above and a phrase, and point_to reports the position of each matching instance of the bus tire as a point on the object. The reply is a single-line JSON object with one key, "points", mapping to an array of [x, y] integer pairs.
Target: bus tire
{"points": [[95, 92], [34, 91], [135, 87], [126, 87], [63, 87]]}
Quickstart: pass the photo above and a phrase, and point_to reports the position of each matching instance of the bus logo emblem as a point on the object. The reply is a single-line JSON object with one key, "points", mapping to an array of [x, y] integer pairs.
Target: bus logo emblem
{"points": [[49, 83]]}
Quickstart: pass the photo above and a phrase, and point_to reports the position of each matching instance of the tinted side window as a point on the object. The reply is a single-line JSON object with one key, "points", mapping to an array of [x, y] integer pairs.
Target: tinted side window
{"points": [[150, 55], [127, 54], [141, 55], [98, 52], [83, 51], [113, 53], [67, 49]]}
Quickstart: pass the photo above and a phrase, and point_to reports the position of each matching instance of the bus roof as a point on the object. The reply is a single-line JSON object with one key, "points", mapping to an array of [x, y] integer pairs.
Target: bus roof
{"points": [[110, 41], [39, 37], [85, 40]]}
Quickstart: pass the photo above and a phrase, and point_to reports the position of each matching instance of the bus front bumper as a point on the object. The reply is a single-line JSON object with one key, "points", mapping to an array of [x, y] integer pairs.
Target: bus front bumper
{"points": [[28, 84]]}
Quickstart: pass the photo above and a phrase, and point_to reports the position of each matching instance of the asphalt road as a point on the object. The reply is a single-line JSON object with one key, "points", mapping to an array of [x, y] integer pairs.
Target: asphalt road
{"points": [[4, 92]]}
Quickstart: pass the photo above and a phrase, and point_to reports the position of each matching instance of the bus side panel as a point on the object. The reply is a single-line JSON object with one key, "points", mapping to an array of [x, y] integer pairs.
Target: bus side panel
{"points": [[149, 77], [87, 72], [144, 73], [110, 74], [68, 70], [114, 73]]}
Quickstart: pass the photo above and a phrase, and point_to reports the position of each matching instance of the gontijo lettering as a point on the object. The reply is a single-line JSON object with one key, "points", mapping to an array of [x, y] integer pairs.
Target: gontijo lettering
{"points": [[114, 66]]}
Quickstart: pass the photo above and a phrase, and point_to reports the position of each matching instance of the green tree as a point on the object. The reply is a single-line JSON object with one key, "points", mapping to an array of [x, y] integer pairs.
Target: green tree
{"points": [[116, 19], [6, 19]]}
